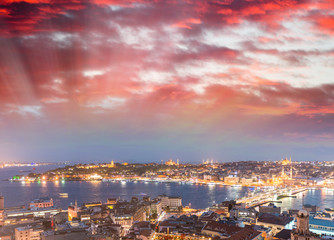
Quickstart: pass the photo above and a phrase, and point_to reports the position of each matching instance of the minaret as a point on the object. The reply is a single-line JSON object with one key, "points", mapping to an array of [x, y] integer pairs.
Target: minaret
{"points": [[177, 162]]}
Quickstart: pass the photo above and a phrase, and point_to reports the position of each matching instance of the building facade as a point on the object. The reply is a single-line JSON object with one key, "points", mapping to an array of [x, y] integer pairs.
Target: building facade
{"points": [[27, 233], [41, 203]]}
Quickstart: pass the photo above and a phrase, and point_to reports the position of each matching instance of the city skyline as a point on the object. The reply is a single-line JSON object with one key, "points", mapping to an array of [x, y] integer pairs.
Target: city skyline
{"points": [[149, 80]]}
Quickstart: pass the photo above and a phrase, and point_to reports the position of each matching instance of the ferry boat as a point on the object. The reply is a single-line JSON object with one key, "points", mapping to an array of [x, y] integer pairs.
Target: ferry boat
{"points": [[63, 195]]}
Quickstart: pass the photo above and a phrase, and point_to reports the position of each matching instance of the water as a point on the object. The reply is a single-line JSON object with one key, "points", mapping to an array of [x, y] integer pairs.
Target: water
{"points": [[199, 196]]}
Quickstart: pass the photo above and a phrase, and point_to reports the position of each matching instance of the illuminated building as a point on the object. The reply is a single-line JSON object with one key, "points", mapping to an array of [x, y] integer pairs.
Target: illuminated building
{"points": [[93, 204], [286, 161], [172, 202], [231, 180], [112, 164], [322, 223], [95, 177], [207, 162], [27, 233], [41, 203], [73, 211], [170, 162], [44, 212], [139, 215]]}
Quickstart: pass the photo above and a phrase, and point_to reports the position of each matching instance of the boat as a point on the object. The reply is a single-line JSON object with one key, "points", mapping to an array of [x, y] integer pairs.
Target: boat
{"points": [[63, 195]]}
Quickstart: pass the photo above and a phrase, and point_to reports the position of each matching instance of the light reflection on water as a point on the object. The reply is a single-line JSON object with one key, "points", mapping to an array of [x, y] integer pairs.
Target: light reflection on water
{"points": [[200, 196]]}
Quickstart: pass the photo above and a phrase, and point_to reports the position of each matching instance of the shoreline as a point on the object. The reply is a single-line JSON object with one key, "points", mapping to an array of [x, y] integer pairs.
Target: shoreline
{"points": [[186, 182]]}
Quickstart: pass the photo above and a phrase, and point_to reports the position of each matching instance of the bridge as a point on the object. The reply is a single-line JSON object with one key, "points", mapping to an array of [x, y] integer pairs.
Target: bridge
{"points": [[269, 196]]}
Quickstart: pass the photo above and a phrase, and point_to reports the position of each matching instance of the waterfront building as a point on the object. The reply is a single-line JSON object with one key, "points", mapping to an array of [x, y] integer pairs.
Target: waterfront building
{"points": [[73, 211], [20, 220], [231, 180], [248, 181], [44, 212], [321, 226], [302, 230], [92, 204], [41, 203]]}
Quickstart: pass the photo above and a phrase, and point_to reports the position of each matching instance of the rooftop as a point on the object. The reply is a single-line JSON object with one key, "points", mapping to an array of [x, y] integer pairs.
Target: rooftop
{"points": [[221, 228], [321, 222], [278, 220], [284, 234], [42, 200]]}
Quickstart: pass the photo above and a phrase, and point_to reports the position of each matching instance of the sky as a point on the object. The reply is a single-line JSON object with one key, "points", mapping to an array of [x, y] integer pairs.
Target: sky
{"points": [[145, 81]]}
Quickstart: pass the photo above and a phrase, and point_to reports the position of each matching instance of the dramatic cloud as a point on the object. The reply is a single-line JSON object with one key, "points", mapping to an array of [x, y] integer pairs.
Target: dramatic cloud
{"points": [[147, 80]]}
